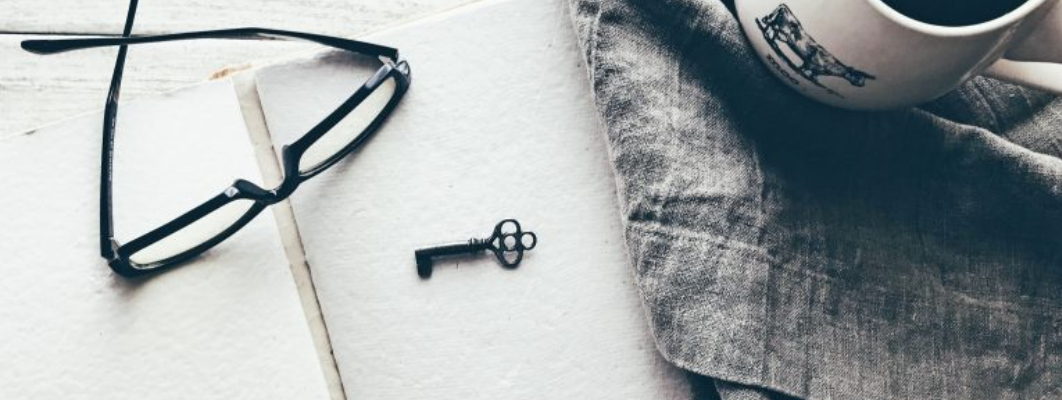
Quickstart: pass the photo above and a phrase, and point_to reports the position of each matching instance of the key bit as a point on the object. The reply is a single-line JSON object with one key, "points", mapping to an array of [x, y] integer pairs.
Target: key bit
{"points": [[508, 243]]}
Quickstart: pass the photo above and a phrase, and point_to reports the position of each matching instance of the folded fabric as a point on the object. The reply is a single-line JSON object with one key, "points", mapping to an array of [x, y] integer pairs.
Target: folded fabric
{"points": [[824, 253]]}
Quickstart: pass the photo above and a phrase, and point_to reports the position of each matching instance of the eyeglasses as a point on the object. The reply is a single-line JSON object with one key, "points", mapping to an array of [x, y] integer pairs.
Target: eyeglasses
{"points": [[215, 220]]}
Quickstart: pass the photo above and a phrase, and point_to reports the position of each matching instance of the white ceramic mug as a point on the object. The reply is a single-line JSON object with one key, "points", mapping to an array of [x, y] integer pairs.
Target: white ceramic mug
{"points": [[862, 54]]}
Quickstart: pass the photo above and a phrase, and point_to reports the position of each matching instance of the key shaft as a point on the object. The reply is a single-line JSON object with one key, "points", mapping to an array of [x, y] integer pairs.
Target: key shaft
{"points": [[426, 255]]}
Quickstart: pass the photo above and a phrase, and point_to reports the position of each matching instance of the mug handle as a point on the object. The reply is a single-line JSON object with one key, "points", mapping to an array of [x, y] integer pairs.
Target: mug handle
{"points": [[1036, 61]]}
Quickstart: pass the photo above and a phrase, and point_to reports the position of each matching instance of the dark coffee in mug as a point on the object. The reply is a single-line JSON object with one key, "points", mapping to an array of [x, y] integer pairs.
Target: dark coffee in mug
{"points": [[954, 12]]}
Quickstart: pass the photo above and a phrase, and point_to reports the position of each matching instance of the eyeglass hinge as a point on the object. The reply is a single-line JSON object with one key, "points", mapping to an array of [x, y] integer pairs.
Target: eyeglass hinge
{"points": [[113, 255]]}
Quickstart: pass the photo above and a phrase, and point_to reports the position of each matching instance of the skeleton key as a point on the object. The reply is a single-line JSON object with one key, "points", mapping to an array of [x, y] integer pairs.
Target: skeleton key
{"points": [[508, 247]]}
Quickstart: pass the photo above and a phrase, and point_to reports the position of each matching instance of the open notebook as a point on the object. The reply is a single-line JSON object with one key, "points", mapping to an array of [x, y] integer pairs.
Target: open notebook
{"points": [[498, 123]]}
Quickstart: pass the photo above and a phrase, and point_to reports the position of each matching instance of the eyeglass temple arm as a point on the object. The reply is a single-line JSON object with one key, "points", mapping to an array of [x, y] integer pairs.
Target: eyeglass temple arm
{"points": [[52, 46], [108, 247]]}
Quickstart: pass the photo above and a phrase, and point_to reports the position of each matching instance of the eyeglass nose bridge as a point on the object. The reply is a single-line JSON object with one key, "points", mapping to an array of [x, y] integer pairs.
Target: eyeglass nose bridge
{"points": [[243, 189]]}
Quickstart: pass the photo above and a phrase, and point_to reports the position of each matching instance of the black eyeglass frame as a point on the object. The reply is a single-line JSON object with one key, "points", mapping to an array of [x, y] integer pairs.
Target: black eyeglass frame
{"points": [[118, 255]]}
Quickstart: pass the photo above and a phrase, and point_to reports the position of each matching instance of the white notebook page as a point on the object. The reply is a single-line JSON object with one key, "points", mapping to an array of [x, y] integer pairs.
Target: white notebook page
{"points": [[227, 326], [499, 123]]}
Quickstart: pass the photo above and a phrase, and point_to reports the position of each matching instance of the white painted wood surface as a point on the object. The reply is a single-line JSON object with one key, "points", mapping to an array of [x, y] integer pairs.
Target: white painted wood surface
{"points": [[498, 123], [36, 90], [337, 17]]}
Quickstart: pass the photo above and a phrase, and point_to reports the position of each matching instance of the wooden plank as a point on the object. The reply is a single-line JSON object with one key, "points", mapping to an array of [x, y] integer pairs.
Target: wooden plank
{"points": [[338, 17], [37, 90]]}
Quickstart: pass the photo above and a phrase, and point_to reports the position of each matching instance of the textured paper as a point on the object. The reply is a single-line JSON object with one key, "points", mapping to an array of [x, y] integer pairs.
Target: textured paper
{"points": [[498, 123], [268, 161], [227, 326]]}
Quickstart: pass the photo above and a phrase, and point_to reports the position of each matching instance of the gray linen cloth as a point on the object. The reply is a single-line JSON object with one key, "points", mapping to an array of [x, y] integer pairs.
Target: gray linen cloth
{"points": [[823, 253]]}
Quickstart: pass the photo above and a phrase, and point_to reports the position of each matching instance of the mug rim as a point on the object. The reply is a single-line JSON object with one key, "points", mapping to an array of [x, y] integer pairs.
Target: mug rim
{"points": [[1001, 21]]}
